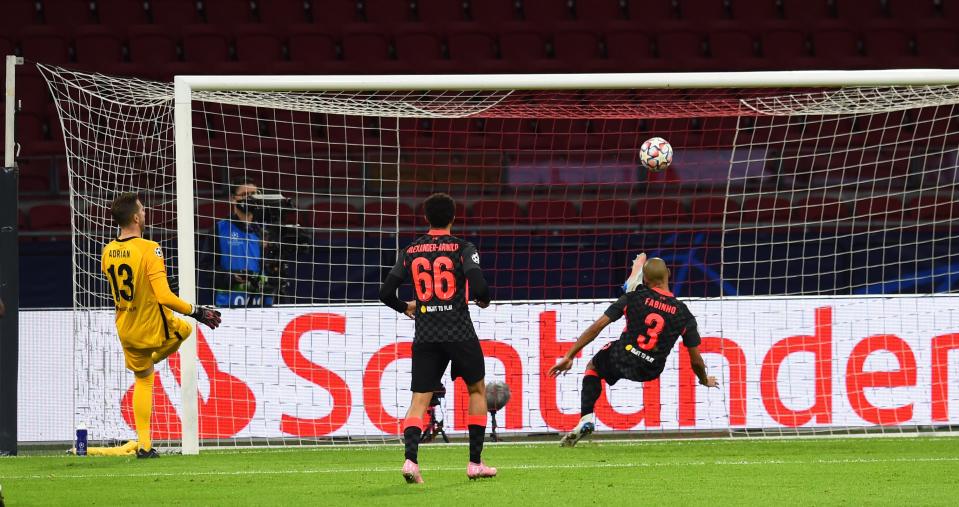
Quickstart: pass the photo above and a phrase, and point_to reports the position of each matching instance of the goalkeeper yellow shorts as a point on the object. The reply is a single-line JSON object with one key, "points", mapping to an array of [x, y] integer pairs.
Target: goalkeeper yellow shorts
{"points": [[141, 360]]}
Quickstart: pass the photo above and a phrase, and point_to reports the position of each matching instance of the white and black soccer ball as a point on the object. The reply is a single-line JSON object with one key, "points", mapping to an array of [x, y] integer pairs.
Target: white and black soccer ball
{"points": [[497, 395], [656, 154]]}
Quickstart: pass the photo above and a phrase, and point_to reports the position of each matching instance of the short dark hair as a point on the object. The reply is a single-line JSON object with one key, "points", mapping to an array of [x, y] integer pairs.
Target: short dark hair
{"points": [[124, 207], [440, 210], [238, 182]]}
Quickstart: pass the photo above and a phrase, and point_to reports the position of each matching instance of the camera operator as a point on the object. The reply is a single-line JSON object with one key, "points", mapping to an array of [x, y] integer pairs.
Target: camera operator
{"points": [[238, 244]]}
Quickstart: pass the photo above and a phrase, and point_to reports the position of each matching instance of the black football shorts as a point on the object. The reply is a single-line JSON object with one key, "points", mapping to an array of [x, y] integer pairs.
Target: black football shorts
{"points": [[430, 361]]}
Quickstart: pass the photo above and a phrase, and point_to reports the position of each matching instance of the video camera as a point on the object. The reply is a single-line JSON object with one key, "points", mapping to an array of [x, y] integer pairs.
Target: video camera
{"points": [[266, 208]]}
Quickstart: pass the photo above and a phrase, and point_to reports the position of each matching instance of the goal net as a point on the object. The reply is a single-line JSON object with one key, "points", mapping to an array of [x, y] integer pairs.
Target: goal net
{"points": [[810, 230]]}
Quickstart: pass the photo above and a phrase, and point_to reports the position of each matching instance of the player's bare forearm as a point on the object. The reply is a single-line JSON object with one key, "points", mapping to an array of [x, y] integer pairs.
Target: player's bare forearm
{"points": [[588, 336], [699, 367]]}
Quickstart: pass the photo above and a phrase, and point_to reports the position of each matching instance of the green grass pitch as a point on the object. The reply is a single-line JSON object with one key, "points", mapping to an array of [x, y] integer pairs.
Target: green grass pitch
{"points": [[840, 471]]}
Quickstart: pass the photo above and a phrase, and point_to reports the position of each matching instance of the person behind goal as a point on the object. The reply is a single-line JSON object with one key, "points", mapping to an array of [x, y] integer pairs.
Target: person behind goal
{"points": [[440, 265], [148, 330], [654, 321]]}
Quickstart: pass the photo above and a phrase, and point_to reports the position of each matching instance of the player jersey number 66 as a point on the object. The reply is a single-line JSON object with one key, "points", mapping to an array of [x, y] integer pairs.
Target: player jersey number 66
{"points": [[441, 281]]}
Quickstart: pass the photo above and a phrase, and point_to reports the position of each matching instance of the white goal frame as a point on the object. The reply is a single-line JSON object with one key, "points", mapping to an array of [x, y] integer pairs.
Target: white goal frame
{"points": [[184, 86]]}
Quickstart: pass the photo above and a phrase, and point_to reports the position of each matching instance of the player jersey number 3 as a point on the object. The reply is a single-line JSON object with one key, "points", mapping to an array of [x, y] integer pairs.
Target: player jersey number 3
{"points": [[121, 276], [655, 322], [433, 279]]}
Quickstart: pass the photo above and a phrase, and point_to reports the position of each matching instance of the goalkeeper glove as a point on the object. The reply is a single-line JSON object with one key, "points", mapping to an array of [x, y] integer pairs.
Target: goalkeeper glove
{"points": [[636, 275], [208, 316]]}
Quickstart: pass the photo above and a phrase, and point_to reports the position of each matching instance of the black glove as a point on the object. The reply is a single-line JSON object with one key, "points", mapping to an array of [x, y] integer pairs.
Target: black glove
{"points": [[208, 316]]}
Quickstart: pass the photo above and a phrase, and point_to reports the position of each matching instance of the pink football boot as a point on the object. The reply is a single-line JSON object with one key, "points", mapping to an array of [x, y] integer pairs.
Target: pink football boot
{"points": [[411, 472], [479, 470]]}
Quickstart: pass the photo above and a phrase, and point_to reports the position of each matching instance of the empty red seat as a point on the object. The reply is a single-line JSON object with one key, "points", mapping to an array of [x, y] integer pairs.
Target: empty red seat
{"points": [[44, 44], [311, 47], [97, 45], [764, 209], [417, 47], [151, 45], [522, 47], [50, 217], [227, 12], [709, 10], [388, 12], [493, 12], [552, 212], [658, 211], [120, 14], [937, 43], [471, 47], [628, 48], [643, 11], [258, 45], [815, 210], [680, 46], [175, 12], [365, 47], [575, 47], [600, 11], [495, 212], [605, 211], [18, 14], [879, 210], [784, 46], [811, 11], [830, 45], [887, 44], [760, 11], [711, 208], [731, 45], [331, 215], [388, 214], [283, 12], [546, 11], [67, 13], [912, 9], [440, 11], [205, 44], [861, 10], [930, 207]]}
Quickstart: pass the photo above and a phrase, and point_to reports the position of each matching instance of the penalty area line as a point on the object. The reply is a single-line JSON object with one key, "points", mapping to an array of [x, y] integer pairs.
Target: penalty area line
{"points": [[354, 470]]}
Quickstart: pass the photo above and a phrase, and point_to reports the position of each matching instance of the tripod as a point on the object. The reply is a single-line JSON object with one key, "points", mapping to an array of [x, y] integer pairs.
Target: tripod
{"points": [[434, 426]]}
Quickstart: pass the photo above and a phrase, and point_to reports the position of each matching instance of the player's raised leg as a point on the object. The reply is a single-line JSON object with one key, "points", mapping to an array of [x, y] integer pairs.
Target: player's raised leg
{"points": [[592, 389], [412, 430], [476, 422]]}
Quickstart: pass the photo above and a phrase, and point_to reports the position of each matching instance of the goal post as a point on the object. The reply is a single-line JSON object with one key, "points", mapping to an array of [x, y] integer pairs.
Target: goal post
{"points": [[807, 219]]}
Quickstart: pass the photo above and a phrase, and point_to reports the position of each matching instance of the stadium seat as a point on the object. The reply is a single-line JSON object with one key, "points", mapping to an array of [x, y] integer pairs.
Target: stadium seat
{"points": [[98, 46], [937, 44], [495, 212], [545, 12], [879, 210], [175, 12], [711, 209], [889, 46], [205, 44], [575, 49], [281, 12], [930, 207], [44, 44], [331, 215], [912, 9], [386, 12], [657, 10], [755, 11], [471, 47], [785, 46], [522, 48], [599, 12], [605, 211], [18, 14], [50, 217], [257, 44], [734, 49], [658, 211], [816, 209], [209, 212], [629, 50], [838, 48], [227, 13], [151, 45], [365, 48], [119, 14], [311, 46], [552, 212], [805, 12], [861, 10], [385, 213], [440, 12], [418, 48], [67, 13], [764, 209], [493, 13], [703, 10], [682, 48]]}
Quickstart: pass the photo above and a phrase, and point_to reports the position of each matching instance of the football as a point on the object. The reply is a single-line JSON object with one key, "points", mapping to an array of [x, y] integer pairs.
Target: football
{"points": [[497, 395], [656, 154]]}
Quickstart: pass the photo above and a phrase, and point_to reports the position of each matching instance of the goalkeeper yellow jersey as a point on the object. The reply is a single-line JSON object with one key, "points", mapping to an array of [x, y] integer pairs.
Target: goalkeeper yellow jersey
{"points": [[137, 277]]}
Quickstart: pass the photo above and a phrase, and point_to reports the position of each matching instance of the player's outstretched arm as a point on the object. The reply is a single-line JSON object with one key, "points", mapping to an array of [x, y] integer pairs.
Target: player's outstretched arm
{"points": [[699, 366], [585, 339], [161, 289]]}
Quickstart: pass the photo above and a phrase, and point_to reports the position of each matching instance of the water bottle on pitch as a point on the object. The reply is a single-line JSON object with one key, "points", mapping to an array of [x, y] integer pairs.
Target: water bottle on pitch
{"points": [[81, 444]]}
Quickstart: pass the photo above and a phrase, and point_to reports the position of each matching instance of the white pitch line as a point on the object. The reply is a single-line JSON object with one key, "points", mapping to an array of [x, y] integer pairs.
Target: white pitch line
{"points": [[320, 471]]}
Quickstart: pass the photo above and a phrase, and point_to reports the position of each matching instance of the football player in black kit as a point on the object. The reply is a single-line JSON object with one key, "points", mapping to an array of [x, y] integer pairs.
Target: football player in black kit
{"points": [[445, 272], [654, 320]]}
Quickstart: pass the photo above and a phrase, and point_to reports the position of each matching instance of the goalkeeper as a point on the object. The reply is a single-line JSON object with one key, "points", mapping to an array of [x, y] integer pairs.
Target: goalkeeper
{"points": [[654, 320], [148, 330]]}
